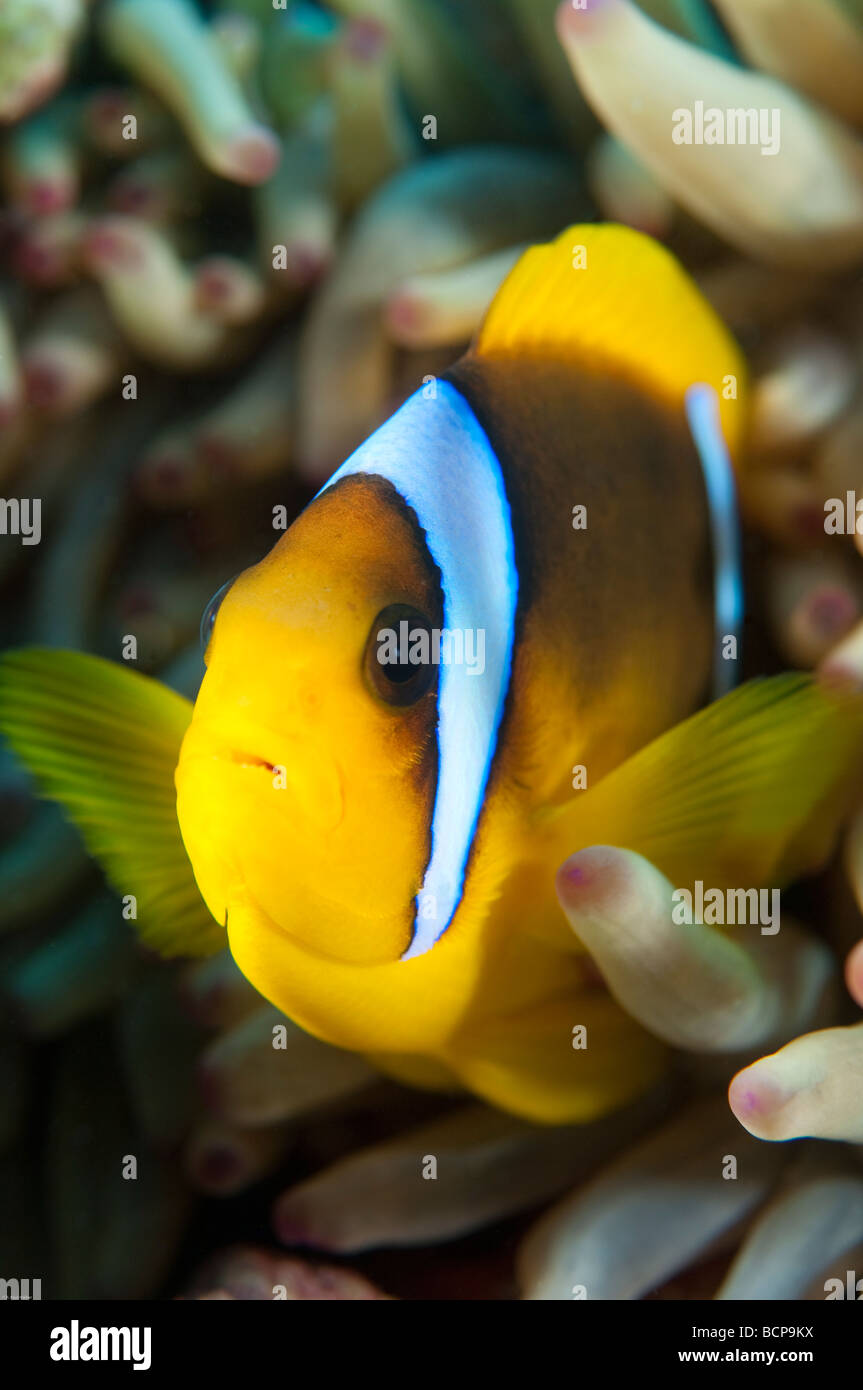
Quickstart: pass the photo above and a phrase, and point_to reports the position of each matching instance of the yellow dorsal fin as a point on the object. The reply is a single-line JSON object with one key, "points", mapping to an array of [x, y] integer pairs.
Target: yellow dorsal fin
{"points": [[610, 298]]}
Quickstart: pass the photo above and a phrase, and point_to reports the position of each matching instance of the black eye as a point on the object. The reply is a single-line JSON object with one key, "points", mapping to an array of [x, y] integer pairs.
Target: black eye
{"points": [[209, 618], [400, 658]]}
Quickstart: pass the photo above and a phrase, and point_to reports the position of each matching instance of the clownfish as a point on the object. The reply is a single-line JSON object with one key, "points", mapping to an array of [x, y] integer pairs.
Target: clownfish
{"points": [[530, 571]]}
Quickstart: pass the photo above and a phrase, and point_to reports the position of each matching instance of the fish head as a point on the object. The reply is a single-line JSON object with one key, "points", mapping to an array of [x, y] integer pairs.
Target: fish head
{"points": [[306, 779]]}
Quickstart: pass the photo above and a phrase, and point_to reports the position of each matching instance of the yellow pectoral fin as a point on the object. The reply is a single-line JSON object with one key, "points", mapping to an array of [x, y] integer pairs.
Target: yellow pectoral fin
{"points": [[103, 741], [567, 1061], [748, 792]]}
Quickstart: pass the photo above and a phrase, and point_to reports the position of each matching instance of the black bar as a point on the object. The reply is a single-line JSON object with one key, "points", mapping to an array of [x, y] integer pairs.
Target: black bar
{"points": [[231, 1339]]}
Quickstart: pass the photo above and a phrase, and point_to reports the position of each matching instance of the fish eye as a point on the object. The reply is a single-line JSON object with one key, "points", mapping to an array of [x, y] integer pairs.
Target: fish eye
{"points": [[209, 618], [399, 660]]}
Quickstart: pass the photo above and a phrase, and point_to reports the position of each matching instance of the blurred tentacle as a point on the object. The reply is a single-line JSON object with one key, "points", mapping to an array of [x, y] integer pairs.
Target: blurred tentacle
{"points": [[436, 216], [265, 1069], [168, 46], [485, 1166], [812, 45], [643, 80], [815, 1218], [812, 1087], [675, 1196], [690, 985]]}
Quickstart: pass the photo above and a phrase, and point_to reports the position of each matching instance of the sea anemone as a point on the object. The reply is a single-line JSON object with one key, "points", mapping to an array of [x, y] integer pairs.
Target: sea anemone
{"points": [[233, 238]]}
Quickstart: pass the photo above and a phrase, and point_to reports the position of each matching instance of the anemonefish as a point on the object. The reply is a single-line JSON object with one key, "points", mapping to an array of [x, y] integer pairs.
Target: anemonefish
{"points": [[490, 640]]}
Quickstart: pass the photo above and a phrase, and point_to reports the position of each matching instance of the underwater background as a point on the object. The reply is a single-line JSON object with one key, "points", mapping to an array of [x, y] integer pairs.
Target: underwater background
{"points": [[233, 238]]}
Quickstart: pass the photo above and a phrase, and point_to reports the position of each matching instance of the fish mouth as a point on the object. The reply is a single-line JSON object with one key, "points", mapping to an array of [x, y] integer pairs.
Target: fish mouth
{"points": [[321, 797], [248, 744], [251, 760]]}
